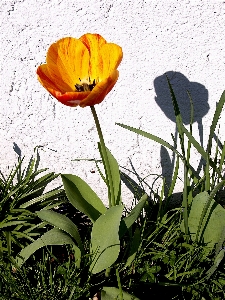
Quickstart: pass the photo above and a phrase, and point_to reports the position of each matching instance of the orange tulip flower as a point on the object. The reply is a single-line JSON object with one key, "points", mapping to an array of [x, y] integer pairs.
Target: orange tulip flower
{"points": [[80, 71]]}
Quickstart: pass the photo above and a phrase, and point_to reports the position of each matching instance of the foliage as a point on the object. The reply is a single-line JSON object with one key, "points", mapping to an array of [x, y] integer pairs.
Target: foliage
{"points": [[157, 249], [22, 193], [190, 254], [44, 278]]}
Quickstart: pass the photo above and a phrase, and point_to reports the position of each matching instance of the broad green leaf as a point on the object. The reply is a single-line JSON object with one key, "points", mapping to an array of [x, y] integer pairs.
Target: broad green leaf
{"points": [[78, 256], [112, 293], [54, 236], [105, 239], [62, 222], [134, 247], [217, 261], [83, 197], [111, 166], [213, 223], [219, 246], [127, 222]]}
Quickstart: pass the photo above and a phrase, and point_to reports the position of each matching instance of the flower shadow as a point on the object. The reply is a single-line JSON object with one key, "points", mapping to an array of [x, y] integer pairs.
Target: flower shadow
{"points": [[199, 95]]}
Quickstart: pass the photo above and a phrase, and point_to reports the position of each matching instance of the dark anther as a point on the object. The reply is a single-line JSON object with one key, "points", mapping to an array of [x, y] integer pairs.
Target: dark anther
{"points": [[91, 86], [85, 87], [79, 88]]}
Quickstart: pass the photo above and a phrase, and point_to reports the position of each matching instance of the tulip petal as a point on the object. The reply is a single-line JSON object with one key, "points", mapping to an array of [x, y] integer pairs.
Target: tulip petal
{"points": [[46, 80], [80, 71], [99, 92], [67, 61], [70, 98], [94, 43], [111, 56]]}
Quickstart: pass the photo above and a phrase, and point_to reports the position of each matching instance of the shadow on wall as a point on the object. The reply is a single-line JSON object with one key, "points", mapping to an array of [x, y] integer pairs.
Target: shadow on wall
{"points": [[17, 149], [199, 95]]}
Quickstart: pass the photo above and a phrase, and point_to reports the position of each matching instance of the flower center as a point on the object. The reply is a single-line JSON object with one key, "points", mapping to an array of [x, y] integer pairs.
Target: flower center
{"points": [[85, 85]]}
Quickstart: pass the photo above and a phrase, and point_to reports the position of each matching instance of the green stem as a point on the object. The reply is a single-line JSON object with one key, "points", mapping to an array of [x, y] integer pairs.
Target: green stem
{"points": [[185, 202], [105, 159], [119, 285]]}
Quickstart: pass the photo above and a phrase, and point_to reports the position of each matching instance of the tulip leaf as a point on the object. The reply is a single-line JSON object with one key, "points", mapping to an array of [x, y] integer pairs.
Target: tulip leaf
{"points": [[127, 222], [105, 239], [217, 261], [112, 174], [134, 247], [83, 197], [210, 228], [112, 293], [54, 236], [62, 222]]}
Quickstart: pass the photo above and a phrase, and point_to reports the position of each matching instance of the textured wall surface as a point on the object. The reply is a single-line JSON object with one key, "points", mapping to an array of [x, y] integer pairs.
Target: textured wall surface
{"points": [[184, 39]]}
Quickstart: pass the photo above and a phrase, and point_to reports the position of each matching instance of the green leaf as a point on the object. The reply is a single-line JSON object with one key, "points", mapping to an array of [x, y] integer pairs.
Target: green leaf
{"points": [[201, 150], [18, 234], [62, 222], [83, 197], [216, 117], [134, 247], [112, 293], [127, 222], [105, 239], [11, 223], [151, 137], [161, 142], [136, 189], [213, 223], [174, 177], [113, 168], [217, 261], [41, 198], [54, 236], [179, 121]]}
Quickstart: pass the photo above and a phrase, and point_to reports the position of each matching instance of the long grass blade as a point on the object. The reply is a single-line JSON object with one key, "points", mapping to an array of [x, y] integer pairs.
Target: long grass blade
{"points": [[216, 117], [174, 178], [201, 151], [178, 116], [161, 142]]}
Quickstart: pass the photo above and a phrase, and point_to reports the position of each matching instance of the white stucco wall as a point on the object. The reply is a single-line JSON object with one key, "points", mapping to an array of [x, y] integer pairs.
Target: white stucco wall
{"points": [[186, 37]]}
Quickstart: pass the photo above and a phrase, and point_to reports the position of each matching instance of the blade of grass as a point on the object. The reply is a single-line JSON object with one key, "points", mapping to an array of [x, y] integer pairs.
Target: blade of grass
{"points": [[178, 117], [222, 158], [216, 117], [109, 163], [201, 151]]}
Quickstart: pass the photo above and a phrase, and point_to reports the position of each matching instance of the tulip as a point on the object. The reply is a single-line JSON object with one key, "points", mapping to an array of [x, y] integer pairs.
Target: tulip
{"points": [[80, 71]]}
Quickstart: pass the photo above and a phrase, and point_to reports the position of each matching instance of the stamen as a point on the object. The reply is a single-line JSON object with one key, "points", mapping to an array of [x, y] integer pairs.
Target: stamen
{"points": [[85, 86], [79, 87]]}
